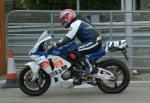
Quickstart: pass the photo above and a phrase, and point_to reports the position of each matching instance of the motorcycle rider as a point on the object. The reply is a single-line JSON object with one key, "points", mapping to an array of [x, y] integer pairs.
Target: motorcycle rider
{"points": [[84, 32]]}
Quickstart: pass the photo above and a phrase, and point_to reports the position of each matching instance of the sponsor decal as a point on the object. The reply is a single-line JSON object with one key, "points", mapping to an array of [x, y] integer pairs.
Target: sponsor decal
{"points": [[45, 64], [58, 64]]}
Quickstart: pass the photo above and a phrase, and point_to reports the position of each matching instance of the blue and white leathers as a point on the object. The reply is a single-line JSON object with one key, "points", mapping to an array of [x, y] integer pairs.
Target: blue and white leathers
{"points": [[83, 31], [89, 38]]}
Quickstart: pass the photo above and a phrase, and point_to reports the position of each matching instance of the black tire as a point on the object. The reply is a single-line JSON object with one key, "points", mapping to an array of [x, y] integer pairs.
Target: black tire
{"points": [[126, 76], [28, 91]]}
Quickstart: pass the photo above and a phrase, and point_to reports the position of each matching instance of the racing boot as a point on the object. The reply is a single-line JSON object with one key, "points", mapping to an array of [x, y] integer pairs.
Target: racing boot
{"points": [[88, 67]]}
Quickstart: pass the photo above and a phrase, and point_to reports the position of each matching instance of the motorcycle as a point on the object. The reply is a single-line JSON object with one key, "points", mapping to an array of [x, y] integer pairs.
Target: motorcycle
{"points": [[61, 65]]}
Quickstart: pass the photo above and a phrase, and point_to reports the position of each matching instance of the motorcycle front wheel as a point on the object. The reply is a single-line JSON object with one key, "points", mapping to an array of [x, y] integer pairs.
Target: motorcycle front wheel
{"points": [[121, 73], [36, 87]]}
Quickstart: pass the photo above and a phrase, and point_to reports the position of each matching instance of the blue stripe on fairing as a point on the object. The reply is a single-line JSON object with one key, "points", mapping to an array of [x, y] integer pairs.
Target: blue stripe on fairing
{"points": [[46, 54], [97, 54], [67, 48]]}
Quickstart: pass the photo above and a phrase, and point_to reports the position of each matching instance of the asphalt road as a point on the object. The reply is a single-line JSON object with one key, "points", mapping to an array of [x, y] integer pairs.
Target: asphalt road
{"points": [[135, 93]]}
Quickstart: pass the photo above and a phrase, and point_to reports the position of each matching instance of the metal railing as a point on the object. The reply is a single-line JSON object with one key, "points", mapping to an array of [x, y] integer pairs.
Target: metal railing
{"points": [[22, 36]]}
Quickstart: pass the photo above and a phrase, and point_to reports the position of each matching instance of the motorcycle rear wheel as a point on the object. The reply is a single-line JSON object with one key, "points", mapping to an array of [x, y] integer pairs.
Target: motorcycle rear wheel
{"points": [[114, 86], [33, 88]]}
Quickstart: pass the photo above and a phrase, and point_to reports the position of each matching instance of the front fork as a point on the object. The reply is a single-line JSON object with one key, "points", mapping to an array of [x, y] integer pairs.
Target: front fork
{"points": [[35, 68], [35, 74]]}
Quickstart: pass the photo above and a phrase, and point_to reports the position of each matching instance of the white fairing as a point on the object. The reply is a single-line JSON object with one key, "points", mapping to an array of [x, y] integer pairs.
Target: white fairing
{"points": [[59, 63], [61, 83], [58, 70]]}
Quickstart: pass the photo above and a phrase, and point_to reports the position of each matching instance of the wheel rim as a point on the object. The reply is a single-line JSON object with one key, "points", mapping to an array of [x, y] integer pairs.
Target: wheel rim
{"points": [[119, 77], [36, 85]]}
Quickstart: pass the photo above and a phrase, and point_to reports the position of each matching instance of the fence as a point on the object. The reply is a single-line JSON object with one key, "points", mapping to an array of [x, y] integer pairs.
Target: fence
{"points": [[24, 28]]}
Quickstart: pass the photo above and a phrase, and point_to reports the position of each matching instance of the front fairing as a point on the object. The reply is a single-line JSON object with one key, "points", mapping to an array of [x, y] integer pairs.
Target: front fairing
{"points": [[44, 37]]}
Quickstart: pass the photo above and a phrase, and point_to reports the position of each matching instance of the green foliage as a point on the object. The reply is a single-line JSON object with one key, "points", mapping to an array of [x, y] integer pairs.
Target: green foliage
{"points": [[30, 4], [63, 4], [100, 4]]}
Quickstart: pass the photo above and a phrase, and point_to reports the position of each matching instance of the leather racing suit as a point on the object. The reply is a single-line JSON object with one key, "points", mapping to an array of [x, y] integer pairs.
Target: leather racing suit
{"points": [[90, 40]]}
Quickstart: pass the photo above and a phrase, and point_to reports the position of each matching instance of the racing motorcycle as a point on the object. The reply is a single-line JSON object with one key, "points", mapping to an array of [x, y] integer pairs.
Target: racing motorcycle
{"points": [[61, 65]]}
